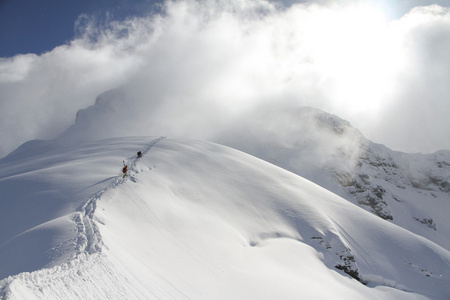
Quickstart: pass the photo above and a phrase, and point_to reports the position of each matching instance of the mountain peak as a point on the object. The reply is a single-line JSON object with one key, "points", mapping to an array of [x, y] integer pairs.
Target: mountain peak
{"points": [[195, 219], [409, 190]]}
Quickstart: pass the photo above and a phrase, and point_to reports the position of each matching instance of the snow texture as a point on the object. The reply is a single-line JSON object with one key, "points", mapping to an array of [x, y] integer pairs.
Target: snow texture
{"points": [[410, 190], [194, 220]]}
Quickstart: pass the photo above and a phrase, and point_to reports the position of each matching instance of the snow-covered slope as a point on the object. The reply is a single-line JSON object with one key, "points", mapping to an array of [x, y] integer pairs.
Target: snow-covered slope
{"points": [[41, 185], [194, 220], [410, 190]]}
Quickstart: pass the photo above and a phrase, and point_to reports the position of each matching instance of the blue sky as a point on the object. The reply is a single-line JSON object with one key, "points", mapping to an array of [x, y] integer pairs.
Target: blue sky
{"points": [[37, 26], [382, 65]]}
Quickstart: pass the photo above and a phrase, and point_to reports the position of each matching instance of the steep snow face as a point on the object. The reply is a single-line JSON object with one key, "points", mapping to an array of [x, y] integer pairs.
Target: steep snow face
{"points": [[410, 190], [247, 216], [195, 220], [42, 184]]}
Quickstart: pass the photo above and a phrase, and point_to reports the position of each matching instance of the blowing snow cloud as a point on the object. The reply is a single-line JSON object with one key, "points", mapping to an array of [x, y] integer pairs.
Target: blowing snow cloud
{"points": [[194, 68]]}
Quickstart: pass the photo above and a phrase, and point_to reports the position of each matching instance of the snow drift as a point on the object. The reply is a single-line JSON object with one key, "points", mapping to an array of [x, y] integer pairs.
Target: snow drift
{"points": [[410, 190], [194, 220]]}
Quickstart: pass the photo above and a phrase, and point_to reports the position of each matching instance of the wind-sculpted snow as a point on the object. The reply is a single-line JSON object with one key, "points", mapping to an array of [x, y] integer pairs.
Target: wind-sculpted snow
{"points": [[88, 236], [410, 190], [44, 187], [195, 220]]}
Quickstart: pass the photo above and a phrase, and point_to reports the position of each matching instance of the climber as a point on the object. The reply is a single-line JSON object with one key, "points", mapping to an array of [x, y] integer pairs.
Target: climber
{"points": [[124, 170], [139, 154]]}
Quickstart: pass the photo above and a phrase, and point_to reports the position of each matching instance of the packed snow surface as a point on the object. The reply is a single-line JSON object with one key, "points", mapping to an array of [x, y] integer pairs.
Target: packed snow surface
{"points": [[409, 190], [194, 220]]}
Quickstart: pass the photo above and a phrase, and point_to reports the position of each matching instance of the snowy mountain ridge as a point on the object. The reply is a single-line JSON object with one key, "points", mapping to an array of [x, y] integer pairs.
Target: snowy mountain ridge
{"points": [[196, 220], [410, 190]]}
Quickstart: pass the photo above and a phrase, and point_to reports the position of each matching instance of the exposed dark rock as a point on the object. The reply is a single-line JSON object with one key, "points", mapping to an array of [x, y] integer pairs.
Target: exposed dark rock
{"points": [[429, 222], [352, 273]]}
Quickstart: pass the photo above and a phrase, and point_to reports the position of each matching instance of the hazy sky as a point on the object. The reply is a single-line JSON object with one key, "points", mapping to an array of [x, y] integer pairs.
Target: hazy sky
{"points": [[382, 65]]}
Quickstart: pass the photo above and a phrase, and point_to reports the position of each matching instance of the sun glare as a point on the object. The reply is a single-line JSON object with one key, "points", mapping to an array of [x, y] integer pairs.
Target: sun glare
{"points": [[354, 47]]}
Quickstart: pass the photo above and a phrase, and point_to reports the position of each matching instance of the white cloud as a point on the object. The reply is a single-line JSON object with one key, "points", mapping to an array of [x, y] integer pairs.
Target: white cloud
{"points": [[196, 67], [416, 118]]}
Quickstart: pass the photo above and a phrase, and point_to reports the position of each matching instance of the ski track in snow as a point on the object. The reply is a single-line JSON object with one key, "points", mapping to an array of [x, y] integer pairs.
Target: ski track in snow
{"points": [[88, 237], [90, 267], [364, 258]]}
